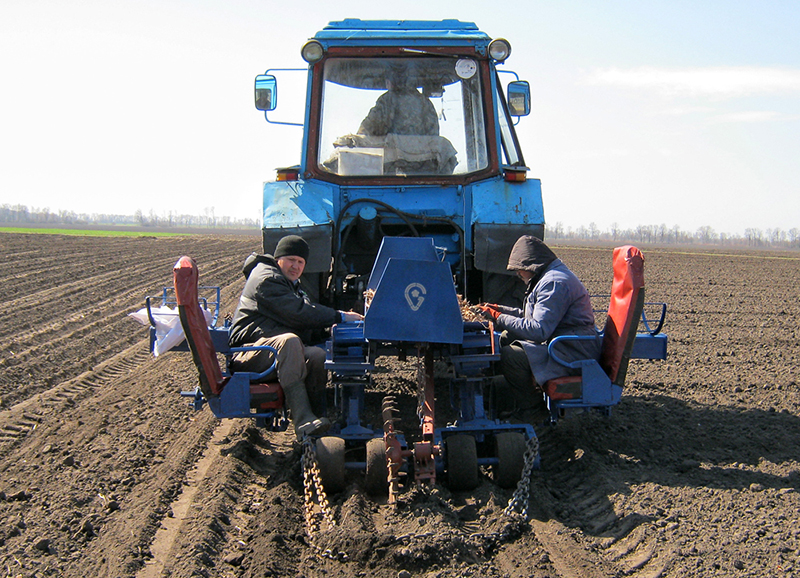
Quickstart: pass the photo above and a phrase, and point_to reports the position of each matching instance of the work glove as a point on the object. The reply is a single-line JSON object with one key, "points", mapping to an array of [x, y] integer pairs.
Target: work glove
{"points": [[489, 311], [350, 316]]}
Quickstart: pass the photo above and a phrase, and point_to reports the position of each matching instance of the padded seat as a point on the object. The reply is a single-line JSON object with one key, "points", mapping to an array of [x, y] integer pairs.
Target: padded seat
{"points": [[567, 387], [228, 394], [266, 395], [600, 382]]}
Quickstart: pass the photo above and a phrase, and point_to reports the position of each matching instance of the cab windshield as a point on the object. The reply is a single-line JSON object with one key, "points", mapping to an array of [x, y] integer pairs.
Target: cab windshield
{"points": [[402, 116]]}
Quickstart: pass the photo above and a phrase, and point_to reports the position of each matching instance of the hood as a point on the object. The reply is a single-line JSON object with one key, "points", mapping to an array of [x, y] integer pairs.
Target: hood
{"points": [[254, 259], [530, 254]]}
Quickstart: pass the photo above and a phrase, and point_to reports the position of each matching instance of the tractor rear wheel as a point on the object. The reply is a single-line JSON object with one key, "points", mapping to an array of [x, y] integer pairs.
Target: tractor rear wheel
{"points": [[462, 462], [330, 457], [377, 478], [510, 451]]}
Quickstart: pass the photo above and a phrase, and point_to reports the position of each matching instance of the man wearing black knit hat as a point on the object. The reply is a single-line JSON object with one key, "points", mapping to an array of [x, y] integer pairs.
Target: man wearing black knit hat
{"points": [[274, 310]]}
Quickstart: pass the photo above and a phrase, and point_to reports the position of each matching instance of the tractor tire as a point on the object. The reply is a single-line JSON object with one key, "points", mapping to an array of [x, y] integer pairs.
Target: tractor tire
{"points": [[510, 451], [462, 462], [330, 458], [376, 481]]}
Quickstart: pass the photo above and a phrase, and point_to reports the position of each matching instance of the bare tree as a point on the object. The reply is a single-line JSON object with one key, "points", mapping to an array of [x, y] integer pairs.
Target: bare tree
{"points": [[706, 234]]}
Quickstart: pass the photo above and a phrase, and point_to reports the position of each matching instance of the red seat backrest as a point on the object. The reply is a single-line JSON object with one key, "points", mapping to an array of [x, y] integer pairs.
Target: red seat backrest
{"points": [[196, 328], [624, 311]]}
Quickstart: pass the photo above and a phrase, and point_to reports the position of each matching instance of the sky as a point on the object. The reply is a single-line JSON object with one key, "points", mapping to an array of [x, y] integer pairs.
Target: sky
{"points": [[644, 112]]}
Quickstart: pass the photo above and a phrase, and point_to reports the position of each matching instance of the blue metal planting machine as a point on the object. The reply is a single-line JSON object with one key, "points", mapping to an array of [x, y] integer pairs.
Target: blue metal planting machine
{"points": [[412, 310]]}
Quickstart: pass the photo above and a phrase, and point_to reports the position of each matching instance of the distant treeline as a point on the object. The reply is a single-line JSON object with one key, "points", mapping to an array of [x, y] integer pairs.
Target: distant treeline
{"points": [[661, 234], [20, 214], [645, 234]]}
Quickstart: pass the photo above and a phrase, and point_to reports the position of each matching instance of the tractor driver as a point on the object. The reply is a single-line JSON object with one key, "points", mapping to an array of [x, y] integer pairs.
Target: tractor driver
{"points": [[274, 310], [402, 109], [555, 303]]}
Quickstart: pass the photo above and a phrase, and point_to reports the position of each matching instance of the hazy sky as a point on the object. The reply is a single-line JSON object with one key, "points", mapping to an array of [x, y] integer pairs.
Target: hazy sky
{"points": [[644, 112]]}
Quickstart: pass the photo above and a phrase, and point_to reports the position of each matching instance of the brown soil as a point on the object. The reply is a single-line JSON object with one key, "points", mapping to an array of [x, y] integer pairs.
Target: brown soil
{"points": [[106, 472]]}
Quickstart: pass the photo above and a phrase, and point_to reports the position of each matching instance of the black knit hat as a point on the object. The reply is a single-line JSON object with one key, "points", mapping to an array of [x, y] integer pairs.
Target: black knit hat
{"points": [[292, 245]]}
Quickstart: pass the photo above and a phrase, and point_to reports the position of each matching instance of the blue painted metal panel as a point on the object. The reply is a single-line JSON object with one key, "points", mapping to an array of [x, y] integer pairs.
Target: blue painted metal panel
{"points": [[416, 248], [355, 32], [417, 26], [415, 301], [297, 204], [234, 401], [647, 346], [434, 200], [495, 201]]}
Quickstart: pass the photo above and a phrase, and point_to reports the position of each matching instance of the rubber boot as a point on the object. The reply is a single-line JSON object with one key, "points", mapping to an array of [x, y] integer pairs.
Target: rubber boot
{"points": [[305, 422]]}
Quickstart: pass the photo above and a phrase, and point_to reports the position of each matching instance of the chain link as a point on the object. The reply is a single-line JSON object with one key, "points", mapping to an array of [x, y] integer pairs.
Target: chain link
{"points": [[312, 485], [519, 501]]}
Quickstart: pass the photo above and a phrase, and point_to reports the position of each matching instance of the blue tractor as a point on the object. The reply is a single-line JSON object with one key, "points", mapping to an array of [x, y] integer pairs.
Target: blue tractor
{"points": [[408, 132], [411, 190]]}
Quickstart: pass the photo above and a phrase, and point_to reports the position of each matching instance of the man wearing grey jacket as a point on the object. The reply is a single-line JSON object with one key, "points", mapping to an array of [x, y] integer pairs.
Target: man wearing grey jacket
{"points": [[556, 303], [274, 310]]}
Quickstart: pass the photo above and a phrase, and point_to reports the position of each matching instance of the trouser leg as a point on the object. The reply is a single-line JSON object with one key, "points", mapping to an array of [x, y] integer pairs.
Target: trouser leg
{"points": [[291, 358], [516, 369], [316, 378], [292, 374]]}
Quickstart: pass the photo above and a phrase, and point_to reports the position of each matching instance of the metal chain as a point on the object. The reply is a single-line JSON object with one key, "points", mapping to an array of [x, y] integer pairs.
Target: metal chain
{"points": [[420, 387], [519, 501], [312, 485]]}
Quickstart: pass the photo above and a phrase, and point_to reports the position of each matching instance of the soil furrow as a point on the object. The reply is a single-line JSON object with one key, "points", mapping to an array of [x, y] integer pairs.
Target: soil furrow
{"points": [[695, 474]]}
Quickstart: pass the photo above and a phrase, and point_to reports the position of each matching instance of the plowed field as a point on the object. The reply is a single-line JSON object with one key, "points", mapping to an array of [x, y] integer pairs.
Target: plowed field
{"points": [[105, 471]]}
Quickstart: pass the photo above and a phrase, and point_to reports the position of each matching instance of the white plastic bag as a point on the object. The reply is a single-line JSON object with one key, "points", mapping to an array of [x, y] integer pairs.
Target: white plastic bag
{"points": [[169, 331]]}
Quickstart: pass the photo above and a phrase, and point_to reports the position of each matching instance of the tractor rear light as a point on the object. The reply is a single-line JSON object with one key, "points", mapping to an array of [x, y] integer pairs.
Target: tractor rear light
{"points": [[288, 174], [515, 175]]}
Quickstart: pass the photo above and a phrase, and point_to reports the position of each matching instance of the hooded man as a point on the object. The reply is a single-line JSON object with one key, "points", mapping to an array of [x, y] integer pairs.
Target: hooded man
{"points": [[274, 310], [555, 303]]}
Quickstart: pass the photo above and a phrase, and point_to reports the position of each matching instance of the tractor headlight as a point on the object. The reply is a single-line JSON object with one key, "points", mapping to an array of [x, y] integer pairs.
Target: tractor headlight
{"points": [[312, 52], [499, 49]]}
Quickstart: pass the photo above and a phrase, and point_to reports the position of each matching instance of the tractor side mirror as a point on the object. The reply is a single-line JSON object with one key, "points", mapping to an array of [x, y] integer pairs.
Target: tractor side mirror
{"points": [[519, 98], [266, 92]]}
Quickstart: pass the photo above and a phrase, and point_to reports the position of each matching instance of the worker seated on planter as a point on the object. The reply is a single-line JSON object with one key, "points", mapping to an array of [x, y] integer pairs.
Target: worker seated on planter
{"points": [[555, 303], [274, 310]]}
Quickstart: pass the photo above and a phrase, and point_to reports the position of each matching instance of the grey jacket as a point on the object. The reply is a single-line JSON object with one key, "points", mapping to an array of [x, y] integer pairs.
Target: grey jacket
{"points": [[556, 303], [401, 112], [271, 305]]}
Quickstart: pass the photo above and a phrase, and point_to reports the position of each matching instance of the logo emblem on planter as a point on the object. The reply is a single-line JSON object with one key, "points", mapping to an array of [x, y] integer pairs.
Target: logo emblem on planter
{"points": [[415, 295]]}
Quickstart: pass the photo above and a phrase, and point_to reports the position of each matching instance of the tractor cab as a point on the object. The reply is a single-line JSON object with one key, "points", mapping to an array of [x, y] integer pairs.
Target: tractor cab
{"points": [[408, 131]]}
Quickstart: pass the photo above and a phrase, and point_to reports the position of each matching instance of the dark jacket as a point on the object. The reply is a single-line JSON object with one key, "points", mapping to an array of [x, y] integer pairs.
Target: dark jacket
{"points": [[556, 303], [271, 305]]}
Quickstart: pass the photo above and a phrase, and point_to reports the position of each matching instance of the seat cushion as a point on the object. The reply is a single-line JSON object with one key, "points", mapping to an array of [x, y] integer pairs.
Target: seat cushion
{"points": [[568, 387], [266, 396]]}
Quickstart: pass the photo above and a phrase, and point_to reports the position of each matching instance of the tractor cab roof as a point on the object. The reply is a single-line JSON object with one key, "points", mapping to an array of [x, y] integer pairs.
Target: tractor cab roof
{"points": [[407, 33]]}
